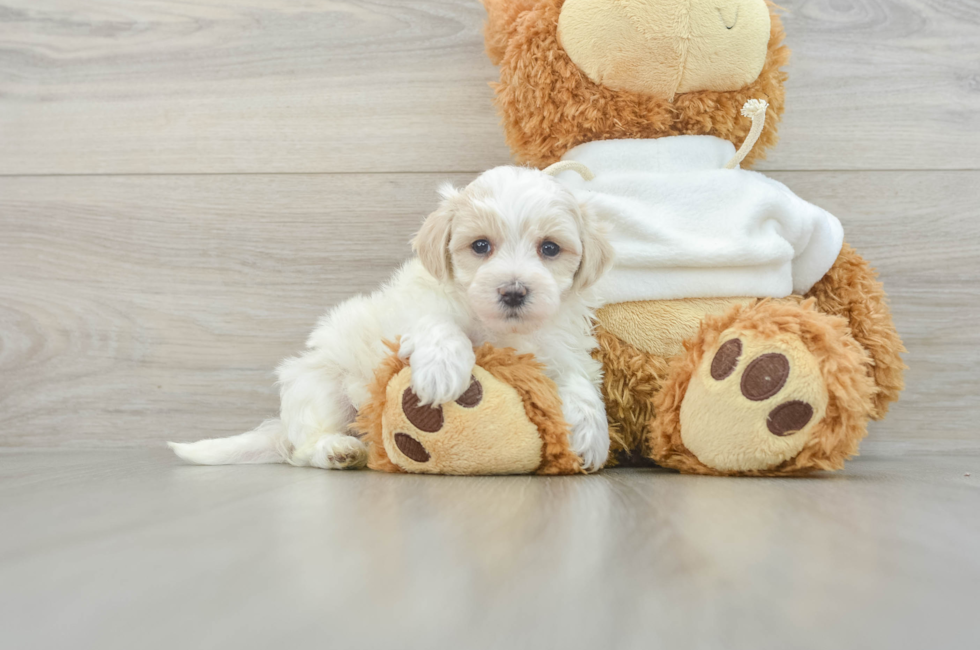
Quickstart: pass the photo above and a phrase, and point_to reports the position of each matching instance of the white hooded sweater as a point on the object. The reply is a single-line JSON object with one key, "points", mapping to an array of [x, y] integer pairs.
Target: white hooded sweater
{"points": [[683, 226]]}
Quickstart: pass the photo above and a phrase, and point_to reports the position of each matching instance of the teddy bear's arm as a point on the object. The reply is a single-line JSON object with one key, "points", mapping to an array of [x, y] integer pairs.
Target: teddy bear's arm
{"points": [[501, 20], [850, 289]]}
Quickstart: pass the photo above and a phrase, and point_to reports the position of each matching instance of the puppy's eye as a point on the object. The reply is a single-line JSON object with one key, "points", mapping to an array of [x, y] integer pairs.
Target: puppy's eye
{"points": [[550, 249], [481, 247]]}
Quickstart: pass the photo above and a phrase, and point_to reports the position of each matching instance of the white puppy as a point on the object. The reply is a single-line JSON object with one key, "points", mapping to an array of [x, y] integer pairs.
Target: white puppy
{"points": [[508, 260]]}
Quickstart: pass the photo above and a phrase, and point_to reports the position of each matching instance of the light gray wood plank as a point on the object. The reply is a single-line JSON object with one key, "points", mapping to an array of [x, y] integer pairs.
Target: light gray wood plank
{"points": [[881, 85], [126, 549], [160, 86], [114, 86], [138, 309], [157, 306]]}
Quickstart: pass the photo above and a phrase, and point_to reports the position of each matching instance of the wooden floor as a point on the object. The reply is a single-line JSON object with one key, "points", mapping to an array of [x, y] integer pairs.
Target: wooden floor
{"points": [[186, 186], [131, 549]]}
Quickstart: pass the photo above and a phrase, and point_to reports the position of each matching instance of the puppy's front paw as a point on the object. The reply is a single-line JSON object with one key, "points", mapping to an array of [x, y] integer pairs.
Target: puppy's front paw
{"points": [[590, 430], [440, 374]]}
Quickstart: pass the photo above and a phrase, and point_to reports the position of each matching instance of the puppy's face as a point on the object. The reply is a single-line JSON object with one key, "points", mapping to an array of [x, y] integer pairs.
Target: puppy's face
{"points": [[516, 243]]}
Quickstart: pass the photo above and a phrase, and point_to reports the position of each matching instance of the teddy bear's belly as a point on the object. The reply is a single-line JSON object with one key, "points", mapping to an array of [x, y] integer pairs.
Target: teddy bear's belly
{"points": [[659, 327]]}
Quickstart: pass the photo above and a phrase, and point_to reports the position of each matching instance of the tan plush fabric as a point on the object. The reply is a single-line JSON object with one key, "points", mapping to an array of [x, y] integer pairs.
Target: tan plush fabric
{"points": [[727, 431], [843, 368], [541, 403], [659, 327], [494, 437], [665, 47], [514, 427], [726, 44]]}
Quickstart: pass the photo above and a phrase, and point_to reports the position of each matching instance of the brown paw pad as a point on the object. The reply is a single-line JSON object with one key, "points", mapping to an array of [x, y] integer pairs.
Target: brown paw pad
{"points": [[473, 395], [427, 418], [411, 447], [430, 419], [789, 418], [765, 376], [726, 359]]}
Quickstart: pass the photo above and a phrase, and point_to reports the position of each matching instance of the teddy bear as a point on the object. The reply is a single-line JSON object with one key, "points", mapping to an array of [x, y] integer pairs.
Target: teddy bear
{"points": [[742, 335]]}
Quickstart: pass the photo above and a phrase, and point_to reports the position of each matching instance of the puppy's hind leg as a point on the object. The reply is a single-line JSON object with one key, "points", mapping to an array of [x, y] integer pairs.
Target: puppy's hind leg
{"points": [[332, 451], [317, 415]]}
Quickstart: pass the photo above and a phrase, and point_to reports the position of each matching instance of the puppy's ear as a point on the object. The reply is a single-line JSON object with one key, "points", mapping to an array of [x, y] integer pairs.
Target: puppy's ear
{"points": [[597, 252], [431, 243]]}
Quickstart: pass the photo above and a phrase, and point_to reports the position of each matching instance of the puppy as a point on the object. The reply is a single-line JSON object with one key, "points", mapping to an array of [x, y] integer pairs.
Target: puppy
{"points": [[508, 260]]}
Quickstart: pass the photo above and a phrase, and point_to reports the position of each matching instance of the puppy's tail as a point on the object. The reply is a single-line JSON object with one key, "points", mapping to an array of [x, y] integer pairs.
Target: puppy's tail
{"points": [[265, 444]]}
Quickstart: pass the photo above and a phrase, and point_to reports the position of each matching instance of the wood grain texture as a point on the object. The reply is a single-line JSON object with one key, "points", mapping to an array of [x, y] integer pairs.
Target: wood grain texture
{"points": [[131, 549], [159, 86], [137, 309]]}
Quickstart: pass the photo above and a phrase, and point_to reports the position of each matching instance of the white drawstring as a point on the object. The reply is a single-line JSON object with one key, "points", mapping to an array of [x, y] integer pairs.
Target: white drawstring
{"points": [[566, 165], [756, 110]]}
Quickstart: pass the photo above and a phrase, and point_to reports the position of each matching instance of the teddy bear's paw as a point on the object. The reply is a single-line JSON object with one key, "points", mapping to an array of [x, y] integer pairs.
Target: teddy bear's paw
{"points": [[483, 431], [753, 402]]}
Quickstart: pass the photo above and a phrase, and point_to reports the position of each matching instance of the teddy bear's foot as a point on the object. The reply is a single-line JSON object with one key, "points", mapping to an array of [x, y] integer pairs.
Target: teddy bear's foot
{"points": [[485, 431], [766, 389], [753, 404], [508, 421]]}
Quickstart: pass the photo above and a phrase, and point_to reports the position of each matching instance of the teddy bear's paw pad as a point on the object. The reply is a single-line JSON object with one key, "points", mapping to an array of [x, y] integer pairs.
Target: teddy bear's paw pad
{"points": [[485, 431], [753, 402], [472, 396], [789, 418], [411, 447], [424, 417], [430, 418]]}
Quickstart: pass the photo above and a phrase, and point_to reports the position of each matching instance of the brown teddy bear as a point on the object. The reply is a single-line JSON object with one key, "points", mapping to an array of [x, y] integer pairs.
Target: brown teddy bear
{"points": [[743, 336]]}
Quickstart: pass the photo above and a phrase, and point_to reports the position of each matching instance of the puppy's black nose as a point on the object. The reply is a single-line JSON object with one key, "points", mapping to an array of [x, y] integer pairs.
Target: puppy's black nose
{"points": [[513, 295]]}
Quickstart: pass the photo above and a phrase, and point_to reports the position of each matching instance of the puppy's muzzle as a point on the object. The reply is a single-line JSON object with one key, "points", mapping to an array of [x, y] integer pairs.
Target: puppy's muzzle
{"points": [[513, 294]]}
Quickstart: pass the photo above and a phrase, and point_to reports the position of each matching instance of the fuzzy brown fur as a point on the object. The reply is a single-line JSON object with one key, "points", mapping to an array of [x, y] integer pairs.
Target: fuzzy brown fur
{"points": [[520, 371], [501, 24], [843, 365], [631, 379], [368, 423], [548, 105], [541, 402], [851, 290]]}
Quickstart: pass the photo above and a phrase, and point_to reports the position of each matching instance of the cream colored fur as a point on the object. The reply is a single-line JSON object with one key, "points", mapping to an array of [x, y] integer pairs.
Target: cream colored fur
{"points": [[441, 305], [666, 47]]}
